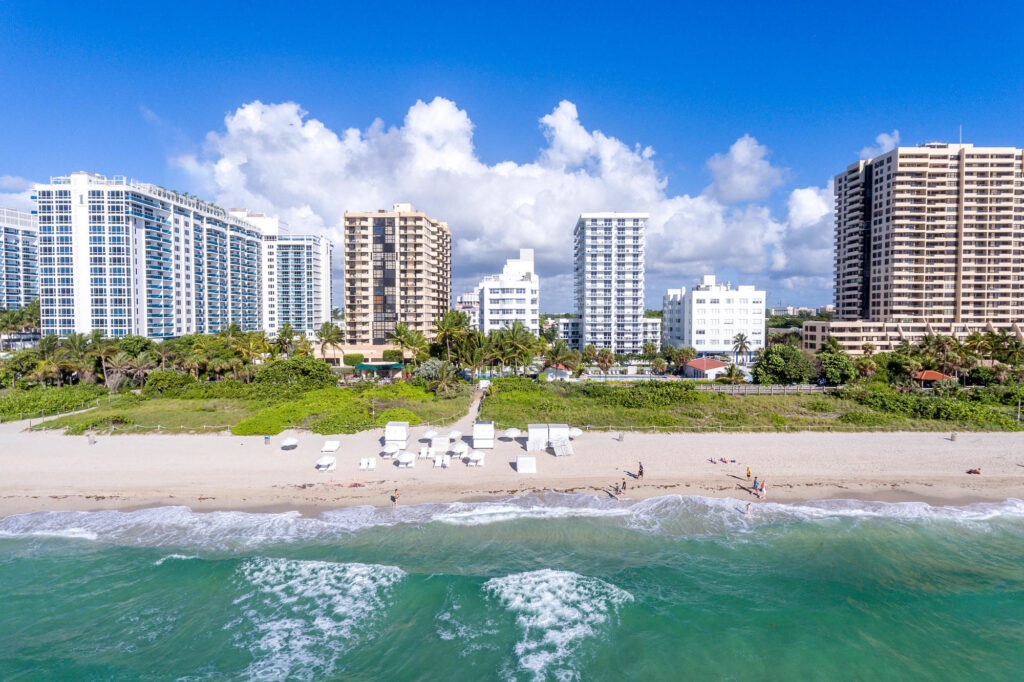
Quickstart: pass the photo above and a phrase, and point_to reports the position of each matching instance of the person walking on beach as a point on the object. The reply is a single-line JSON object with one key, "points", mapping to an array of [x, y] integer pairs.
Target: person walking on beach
{"points": [[755, 486], [394, 498], [623, 485], [616, 490], [640, 470], [764, 491], [748, 473]]}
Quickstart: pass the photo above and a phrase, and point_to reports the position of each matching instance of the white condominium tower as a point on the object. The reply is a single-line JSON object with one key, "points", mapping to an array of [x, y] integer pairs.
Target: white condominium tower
{"points": [[609, 281], [512, 295], [19, 278], [296, 275], [469, 303], [710, 315], [398, 268], [931, 234]]}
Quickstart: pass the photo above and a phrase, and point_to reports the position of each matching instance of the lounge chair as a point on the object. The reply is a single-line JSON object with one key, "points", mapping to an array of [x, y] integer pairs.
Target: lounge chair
{"points": [[438, 461], [424, 452], [371, 464], [447, 461], [363, 466]]}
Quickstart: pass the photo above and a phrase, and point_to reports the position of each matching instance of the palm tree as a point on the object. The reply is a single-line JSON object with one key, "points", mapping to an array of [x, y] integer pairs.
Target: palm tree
{"points": [[740, 346], [733, 375], [285, 336], [337, 314], [589, 352], [659, 365], [522, 343], [142, 365], [408, 339], [329, 334], [681, 356], [865, 366], [605, 359], [650, 349], [450, 328], [830, 345], [164, 351], [120, 365], [558, 354], [446, 381], [103, 350], [868, 348]]}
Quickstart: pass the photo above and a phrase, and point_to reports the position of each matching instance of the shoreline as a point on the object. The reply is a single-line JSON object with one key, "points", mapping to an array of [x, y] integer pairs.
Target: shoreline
{"points": [[47, 471]]}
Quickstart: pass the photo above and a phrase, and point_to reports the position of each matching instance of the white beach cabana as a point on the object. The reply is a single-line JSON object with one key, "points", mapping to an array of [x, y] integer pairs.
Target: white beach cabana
{"points": [[326, 463], [483, 435], [331, 446], [289, 443], [397, 433], [558, 433], [526, 464], [537, 437]]}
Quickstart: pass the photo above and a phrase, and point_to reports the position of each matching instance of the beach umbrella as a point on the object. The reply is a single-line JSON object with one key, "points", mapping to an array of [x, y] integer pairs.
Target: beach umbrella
{"points": [[460, 447], [512, 433], [430, 434], [391, 448], [454, 435], [406, 457], [476, 455], [575, 432]]}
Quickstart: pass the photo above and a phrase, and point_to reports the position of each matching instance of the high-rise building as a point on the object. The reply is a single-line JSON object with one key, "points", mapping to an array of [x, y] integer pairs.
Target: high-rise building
{"points": [[127, 257], [397, 269], [469, 303], [708, 316], [296, 284], [609, 281], [512, 295], [927, 240], [19, 253]]}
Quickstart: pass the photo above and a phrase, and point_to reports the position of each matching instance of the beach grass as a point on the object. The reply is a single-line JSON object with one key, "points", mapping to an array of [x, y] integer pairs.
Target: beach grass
{"points": [[517, 405], [168, 415]]}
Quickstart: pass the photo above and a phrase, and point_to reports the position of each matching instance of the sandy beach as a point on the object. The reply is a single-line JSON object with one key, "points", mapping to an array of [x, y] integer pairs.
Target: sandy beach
{"points": [[51, 471]]}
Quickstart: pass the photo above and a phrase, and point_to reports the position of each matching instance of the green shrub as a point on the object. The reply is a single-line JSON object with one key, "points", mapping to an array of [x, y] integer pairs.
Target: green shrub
{"points": [[50, 400], [978, 416], [100, 423], [397, 414], [819, 405], [865, 418], [782, 364], [352, 359], [167, 382], [392, 356], [309, 373]]}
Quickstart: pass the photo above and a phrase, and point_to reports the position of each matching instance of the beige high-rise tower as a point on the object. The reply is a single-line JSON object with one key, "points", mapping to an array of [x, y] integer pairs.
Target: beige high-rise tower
{"points": [[398, 268], [928, 240]]}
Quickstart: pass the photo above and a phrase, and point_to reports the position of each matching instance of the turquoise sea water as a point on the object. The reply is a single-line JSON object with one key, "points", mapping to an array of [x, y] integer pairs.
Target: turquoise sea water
{"points": [[538, 587]]}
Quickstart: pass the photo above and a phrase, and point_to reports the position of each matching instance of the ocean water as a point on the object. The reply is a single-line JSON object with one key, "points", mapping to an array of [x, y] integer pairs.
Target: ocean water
{"points": [[539, 587]]}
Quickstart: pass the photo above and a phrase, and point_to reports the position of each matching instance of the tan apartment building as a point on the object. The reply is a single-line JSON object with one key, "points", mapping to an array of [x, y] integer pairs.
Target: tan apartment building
{"points": [[928, 239], [398, 268]]}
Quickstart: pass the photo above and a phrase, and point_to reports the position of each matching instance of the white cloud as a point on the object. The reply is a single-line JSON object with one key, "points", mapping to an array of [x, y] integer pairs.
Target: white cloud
{"points": [[883, 143], [743, 174], [15, 193], [276, 159]]}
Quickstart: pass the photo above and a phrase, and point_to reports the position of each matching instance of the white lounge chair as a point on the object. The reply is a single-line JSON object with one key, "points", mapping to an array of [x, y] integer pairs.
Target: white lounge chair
{"points": [[561, 448], [371, 464], [330, 446], [363, 464], [326, 463], [424, 452], [446, 461], [438, 461], [289, 443]]}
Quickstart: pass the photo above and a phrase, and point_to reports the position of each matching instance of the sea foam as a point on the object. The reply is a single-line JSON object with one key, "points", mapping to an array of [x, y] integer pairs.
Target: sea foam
{"points": [[676, 515], [555, 610]]}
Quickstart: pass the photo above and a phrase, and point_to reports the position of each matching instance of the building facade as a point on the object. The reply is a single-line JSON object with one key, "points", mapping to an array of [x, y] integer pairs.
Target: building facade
{"points": [[469, 303], [929, 237], [512, 295], [296, 275], [127, 257], [19, 254], [397, 269], [609, 280], [710, 315]]}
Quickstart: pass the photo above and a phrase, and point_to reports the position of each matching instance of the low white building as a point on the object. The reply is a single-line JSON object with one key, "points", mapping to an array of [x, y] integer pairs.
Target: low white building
{"points": [[469, 303], [709, 316], [512, 295]]}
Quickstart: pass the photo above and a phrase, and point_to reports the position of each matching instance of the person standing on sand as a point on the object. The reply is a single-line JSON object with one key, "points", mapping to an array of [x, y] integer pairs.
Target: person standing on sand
{"points": [[748, 473], [623, 485], [394, 498], [616, 490], [764, 491], [640, 470], [755, 486]]}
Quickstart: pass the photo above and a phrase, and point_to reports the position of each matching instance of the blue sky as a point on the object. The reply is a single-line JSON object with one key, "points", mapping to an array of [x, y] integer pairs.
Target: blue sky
{"points": [[135, 89]]}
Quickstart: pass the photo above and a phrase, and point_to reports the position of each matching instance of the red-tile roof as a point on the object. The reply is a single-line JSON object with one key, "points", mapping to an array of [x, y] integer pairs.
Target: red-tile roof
{"points": [[704, 364], [931, 375], [561, 367]]}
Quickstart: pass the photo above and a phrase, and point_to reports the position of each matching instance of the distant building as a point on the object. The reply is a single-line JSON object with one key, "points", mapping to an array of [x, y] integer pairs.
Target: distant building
{"points": [[296, 276], [570, 330], [127, 257], [512, 295], [469, 303], [710, 315], [705, 368], [398, 268], [609, 280], [19, 258]]}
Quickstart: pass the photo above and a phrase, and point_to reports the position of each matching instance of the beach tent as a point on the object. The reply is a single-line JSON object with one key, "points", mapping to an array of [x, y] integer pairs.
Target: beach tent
{"points": [[537, 437], [526, 464], [558, 432], [326, 463], [331, 446], [439, 445], [483, 435], [289, 443], [397, 433]]}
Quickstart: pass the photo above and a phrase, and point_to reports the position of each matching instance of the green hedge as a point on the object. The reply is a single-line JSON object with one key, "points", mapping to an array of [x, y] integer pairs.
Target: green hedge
{"points": [[50, 400], [929, 407], [352, 359]]}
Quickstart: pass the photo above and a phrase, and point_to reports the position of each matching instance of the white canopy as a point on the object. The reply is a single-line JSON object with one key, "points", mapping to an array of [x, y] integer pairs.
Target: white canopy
{"points": [[391, 448], [476, 456], [575, 432], [289, 442], [431, 433], [406, 457], [440, 444], [513, 433], [460, 447], [331, 446], [454, 434]]}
